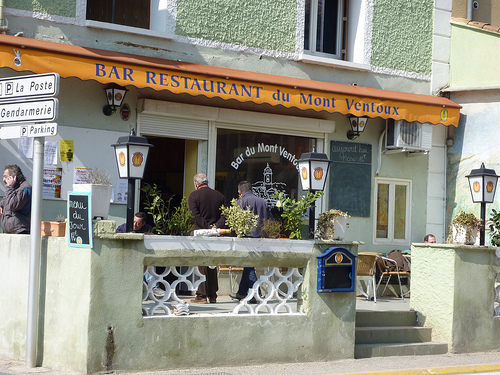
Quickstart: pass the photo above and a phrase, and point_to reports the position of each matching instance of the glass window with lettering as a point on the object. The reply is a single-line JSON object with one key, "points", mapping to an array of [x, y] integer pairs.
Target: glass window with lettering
{"points": [[268, 161], [393, 214]]}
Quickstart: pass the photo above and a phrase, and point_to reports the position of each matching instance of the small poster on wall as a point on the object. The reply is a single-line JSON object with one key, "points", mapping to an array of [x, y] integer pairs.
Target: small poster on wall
{"points": [[52, 181]]}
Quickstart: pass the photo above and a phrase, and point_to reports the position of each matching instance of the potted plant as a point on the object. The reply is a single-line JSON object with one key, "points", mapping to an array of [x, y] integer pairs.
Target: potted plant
{"points": [[155, 205], [295, 210], [332, 225], [272, 228], [240, 220], [55, 228], [182, 221], [495, 228], [464, 228], [98, 183]]}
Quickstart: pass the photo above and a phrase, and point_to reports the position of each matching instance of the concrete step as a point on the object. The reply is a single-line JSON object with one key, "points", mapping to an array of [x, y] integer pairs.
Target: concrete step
{"points": [[399, 349], [388, 334], [385, 318]]}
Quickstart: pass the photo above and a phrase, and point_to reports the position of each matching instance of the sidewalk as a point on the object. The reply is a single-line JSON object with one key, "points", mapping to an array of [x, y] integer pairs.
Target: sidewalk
{"points": [[412, 365]]}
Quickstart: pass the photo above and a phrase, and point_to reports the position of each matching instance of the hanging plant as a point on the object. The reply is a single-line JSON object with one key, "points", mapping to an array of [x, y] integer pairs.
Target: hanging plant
{"points": [[495, 228]]}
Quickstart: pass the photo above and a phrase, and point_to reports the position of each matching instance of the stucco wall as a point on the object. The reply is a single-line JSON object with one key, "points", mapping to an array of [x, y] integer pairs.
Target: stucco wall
{"points": [[65, 8], [460, 304], [88, 293], [402, 35], [267, 24]]}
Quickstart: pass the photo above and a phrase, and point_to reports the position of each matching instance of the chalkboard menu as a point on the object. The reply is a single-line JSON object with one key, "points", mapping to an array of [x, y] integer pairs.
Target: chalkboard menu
{"points": [[79, 219], [350, 177]]}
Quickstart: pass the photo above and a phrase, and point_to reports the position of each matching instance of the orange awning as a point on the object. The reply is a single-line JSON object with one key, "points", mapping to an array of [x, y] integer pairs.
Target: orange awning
{"points": [[23, 54]]}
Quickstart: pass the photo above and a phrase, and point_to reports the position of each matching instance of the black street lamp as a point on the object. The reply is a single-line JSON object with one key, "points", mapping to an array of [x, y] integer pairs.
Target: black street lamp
{"points": [[313, 169], [131, 156], [483, 184]]}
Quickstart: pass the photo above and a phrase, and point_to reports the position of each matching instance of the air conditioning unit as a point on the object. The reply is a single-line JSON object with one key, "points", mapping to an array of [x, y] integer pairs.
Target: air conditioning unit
{"points": [[402, 135]]}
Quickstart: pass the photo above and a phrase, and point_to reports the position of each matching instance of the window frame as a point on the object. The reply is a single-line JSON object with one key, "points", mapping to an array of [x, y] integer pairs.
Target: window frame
{"points": [[313, 31], [392, 182]]}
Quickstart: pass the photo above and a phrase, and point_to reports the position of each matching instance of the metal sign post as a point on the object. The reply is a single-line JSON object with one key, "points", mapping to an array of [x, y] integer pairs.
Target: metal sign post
{"points": [[38, 109]]}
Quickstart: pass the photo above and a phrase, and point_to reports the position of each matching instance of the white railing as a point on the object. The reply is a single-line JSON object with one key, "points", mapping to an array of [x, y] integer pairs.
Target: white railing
{"points": [[277, 287]]}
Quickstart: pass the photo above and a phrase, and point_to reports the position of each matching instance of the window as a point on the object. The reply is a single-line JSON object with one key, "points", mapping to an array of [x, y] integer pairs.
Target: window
{"points": [[134, 13], [268, 161], [324, 27], [392, 222]]}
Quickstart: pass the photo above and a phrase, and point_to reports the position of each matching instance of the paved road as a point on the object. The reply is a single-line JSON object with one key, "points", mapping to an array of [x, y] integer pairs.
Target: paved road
{"points": [[485, 363]]}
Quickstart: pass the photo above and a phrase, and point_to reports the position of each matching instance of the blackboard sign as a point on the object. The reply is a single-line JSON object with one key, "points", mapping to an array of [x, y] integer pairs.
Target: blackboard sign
{"points": [[79, 219], [350, 177]]}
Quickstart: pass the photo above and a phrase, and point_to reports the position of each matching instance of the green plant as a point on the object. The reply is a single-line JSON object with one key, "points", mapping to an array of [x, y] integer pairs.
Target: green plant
{"points": [[326, 223], [294, 211], [155, 205], [96, 176], [495, 228], [182, 221], [240, 220], [466, 222], [60, 218], [272, 228]]}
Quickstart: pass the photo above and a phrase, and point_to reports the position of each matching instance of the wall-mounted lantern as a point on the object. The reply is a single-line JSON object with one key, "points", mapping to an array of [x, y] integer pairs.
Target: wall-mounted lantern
{"points": [[357, 126], [114, 95]]}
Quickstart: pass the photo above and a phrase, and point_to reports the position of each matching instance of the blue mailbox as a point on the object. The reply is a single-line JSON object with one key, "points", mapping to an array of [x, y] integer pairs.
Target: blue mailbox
{"points": [[336, 271]]}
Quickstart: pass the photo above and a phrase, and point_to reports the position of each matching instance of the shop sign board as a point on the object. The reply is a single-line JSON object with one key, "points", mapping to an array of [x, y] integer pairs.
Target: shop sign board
{"points": [[38, 110], [32, 86], [28, 131]]}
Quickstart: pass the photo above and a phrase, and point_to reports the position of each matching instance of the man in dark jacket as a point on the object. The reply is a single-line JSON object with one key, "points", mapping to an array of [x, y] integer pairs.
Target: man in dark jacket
{"points": [[15, 207], [258, 207], [205, 205]]}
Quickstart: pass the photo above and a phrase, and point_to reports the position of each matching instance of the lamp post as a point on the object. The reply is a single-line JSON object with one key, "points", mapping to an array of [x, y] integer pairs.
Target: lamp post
{"points": [[483, 184], [313, 169], [131, 155]]}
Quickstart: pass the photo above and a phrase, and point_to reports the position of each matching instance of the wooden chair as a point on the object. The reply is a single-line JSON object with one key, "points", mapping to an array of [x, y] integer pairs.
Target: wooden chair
{"points": [[383, 267], [366, 268]]}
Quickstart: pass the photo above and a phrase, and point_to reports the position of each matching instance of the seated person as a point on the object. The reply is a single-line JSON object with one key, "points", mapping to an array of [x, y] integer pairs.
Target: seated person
{"points": [[140, 225]]}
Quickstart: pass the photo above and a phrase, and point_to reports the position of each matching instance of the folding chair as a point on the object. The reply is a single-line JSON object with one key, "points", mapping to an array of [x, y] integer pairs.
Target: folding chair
{"points": [[366, 269], [383, 267]]}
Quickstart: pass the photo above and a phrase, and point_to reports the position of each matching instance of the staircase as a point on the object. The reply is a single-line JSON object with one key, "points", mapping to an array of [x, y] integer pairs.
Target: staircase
{"points": [[393, 333]]}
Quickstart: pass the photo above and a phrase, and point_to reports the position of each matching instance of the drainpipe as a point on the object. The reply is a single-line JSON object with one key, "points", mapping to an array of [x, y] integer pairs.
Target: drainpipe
{"points": [[469, 9]]}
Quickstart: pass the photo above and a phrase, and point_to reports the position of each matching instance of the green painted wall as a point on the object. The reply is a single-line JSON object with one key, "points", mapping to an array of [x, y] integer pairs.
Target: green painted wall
{"points": [[402, 35], [474, 57], [267, 24], [66, 8]]}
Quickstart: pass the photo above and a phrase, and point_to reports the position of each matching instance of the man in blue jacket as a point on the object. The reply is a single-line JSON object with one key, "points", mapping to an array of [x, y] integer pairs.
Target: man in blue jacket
{"points": [[15, 207], [258, 207]]}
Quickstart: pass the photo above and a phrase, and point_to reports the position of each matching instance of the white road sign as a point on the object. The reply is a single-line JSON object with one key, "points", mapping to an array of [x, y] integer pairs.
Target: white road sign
{"points": [[39, 110], [38, 85], [28, 130]]}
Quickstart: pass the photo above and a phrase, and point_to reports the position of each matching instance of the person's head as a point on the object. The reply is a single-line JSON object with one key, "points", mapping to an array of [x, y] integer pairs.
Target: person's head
{"points": [[430, 238], [244, 187], [139, 220], [12, 171], [200, 179]]}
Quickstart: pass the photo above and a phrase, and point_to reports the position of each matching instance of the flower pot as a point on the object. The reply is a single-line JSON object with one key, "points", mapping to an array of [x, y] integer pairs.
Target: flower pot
{"points": [[463, 235], [335, 230], [53, 228], [101, 197]]}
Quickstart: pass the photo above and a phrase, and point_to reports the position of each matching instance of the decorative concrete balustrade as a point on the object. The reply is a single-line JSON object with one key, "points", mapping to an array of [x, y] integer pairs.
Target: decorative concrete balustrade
{"points": [[91, 305]]}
